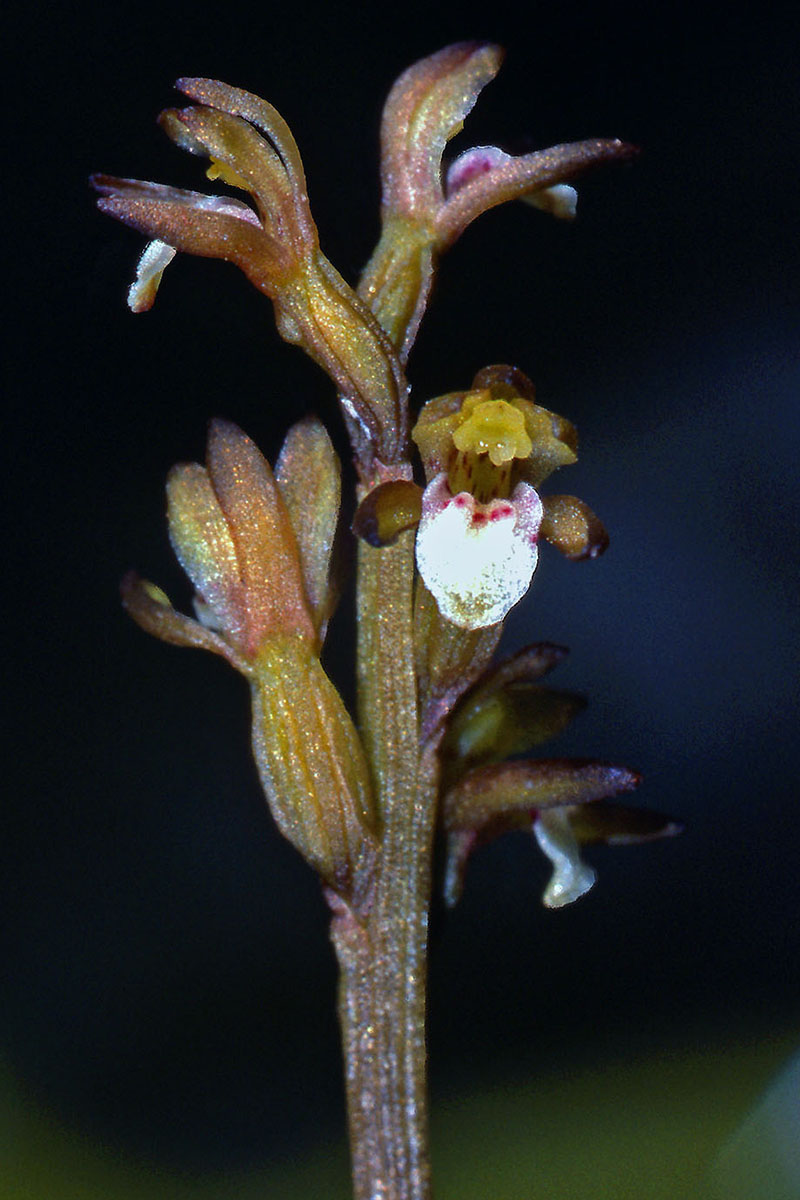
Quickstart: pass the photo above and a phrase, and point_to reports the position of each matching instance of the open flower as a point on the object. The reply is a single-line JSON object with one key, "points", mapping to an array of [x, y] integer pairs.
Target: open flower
{"points": [[485, 452]]}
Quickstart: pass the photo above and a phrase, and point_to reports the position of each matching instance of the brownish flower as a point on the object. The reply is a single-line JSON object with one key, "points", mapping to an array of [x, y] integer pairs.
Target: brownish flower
{"points": [[275, 244], [563, 801], [262, 598]]}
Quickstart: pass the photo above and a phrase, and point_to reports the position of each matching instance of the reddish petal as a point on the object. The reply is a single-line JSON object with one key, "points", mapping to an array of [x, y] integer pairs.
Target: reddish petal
{"points": [[261, 531], [425, 108], [510, 178], [505, 794], [195, 224]]}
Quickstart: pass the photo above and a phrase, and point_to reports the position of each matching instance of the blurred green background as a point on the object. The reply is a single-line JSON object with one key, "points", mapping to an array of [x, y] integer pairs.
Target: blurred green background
{"points": [[167, 999], [663, 1127]]}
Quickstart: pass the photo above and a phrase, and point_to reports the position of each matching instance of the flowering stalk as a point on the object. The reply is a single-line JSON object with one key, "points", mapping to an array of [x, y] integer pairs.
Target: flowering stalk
{"points": [[440, 564]]}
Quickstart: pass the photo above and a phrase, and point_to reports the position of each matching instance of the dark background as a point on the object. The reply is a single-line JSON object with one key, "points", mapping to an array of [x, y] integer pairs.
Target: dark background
{"points": [[168, 983]]}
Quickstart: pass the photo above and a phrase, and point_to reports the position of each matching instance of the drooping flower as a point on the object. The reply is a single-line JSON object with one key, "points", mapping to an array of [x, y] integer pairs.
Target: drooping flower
{"points": [[362, 340], [563, 802], [486, 452], [276, 245], [257, 550], [427, 205]]}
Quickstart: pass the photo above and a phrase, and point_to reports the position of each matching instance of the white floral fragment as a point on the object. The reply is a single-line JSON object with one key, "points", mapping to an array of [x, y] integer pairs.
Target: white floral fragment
{"points": [[155, 258], [560, 200], [477, 560], [207, 615], [571, 877]]}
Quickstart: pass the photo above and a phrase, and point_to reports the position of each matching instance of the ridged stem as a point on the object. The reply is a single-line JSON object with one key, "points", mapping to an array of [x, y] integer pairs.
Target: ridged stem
{"points": [[382, 950]]}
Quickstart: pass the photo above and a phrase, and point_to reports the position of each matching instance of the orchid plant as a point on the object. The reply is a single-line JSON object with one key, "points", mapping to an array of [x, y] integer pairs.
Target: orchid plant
{"points": [[448, 542]]}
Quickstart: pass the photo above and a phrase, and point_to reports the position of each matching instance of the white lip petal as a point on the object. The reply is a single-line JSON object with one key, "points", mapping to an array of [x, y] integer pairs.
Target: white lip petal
{"points": [[477, 560], [572, 877], [151, 266]]}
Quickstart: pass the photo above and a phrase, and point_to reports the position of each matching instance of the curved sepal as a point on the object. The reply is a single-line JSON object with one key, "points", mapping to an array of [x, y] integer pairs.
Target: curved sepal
{"points": [[560, 200], [572, 527], [513, 178], [264, 116], [504, 795], [526, 665], [210, 226], [277, 247], [425, 207], [150, 608], [425, 108]]}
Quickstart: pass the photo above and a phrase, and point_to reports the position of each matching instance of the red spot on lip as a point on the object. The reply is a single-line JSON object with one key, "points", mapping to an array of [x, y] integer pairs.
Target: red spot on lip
{"points": [[501, 511], [479, 518], [460, 500]]}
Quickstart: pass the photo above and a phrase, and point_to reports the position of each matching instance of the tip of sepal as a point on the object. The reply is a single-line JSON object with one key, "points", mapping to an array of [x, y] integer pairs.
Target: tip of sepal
{"points": [[152, 611]]}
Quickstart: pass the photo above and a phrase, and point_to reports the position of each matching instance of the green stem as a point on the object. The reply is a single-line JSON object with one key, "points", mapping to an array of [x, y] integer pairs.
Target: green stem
{"points": [[383, 950]]}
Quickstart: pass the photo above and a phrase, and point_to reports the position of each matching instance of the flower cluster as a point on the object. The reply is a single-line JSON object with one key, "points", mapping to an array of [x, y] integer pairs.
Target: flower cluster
{"points": [[257, 545]]}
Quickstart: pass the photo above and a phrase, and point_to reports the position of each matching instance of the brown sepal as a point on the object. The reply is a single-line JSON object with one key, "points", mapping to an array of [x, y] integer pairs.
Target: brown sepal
{"points": [[387, 511], [151, 610], [308, 475], [504, 796], [572, 527], [511, 720]]}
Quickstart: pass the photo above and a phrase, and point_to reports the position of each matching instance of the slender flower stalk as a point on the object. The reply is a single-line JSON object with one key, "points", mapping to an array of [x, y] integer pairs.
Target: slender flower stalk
{"points": [[449, 523]]}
